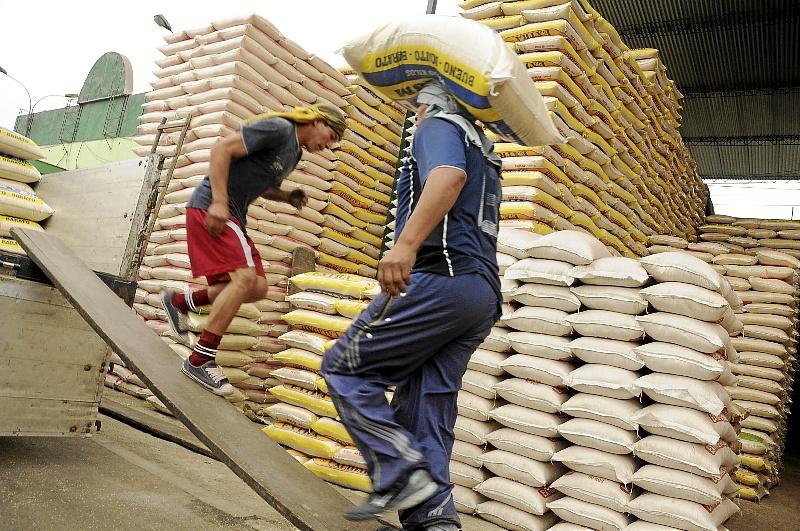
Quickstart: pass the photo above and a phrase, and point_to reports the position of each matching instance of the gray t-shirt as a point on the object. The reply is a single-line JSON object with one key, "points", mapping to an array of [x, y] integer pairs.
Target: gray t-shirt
{"points": [[272, 154]]}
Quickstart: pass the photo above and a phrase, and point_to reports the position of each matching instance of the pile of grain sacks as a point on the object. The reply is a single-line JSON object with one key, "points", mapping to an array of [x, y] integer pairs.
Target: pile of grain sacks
{"points": [[625, 173], [304, 418], [223, 74], [759, 260], [19, 206], [583, 407]]}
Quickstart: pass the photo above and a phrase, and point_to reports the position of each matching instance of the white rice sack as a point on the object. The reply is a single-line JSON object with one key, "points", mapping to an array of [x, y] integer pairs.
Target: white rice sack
{"points": [[684, 485], [515, 242], [604, 380], [467, 476], [541, 345], [547, 296], [16, 204], [612, 271], [512, 518], [521, 469], [611, 298], [687, 299], [538, 271], [476, 66], [598, 435], [546, 371], [473, 406], [606, 324], [533, 395], [709, 461], [588, 514], [528, 445], [690, 333], [540, 320], [681, 267], [19, 146], [523, 497], [614, 467], [480, 384], [487, 362], [607, 352], [687, 515], [681, 361], [473, 431], [613, 411], [686, 424], [605, 493], [527, 420], [709, 397], [467, 453], [466, 500], [496, 341], [569, 246]]}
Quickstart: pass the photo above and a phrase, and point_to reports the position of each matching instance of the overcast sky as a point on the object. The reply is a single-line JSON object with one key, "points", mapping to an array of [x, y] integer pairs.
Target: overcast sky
{"points": [[56, 43], [50, 46]]}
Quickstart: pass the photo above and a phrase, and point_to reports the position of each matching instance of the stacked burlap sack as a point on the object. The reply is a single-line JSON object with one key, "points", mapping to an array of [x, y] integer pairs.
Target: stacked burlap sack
{"points": [[624, 173], [19, 205]]}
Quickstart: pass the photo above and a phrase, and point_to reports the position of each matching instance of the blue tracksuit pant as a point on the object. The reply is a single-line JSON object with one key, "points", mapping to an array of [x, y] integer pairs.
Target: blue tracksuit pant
{"points": [[420, 343]]}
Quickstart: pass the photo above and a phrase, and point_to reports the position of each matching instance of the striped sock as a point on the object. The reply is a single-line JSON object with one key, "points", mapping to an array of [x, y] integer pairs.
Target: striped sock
{"points": [[206, 348], [190, 300]]}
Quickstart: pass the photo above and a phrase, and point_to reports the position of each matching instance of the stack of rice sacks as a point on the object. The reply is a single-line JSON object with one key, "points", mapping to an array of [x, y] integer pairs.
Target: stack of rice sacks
{"points": [[224, 74], [689, 431], [625, 173], [602, 427], [762, 266], [19, 206], [304, 419]]}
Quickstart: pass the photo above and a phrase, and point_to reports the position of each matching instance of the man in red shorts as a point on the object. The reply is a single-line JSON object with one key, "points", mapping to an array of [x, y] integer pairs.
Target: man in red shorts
{"points": [[243, 167]]}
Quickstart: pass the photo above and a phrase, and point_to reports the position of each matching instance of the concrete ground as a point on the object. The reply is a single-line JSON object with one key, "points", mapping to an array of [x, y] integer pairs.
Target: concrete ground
{"points": [[124, 479]]}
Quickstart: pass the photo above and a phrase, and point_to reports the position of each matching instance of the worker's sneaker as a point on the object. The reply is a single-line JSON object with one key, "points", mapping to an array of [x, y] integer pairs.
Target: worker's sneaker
{"points": [[210, 376], [175, 317], [417, 488]]}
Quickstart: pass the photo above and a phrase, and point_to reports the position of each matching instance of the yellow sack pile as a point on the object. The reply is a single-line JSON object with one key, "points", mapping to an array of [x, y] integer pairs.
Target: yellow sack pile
{"points": [[624, 173], [322, 312], [19, 206]]}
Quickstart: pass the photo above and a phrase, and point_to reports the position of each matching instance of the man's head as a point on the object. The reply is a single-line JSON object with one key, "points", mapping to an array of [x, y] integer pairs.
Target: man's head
{"points": [[325, 128]]}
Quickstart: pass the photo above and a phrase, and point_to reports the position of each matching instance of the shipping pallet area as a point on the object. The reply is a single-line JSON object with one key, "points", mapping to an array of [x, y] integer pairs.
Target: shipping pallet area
{"points": [[641, 374]]}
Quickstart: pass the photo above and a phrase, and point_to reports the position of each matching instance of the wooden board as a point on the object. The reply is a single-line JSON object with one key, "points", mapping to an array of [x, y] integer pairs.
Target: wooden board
{"points": [[98, 209], [51, 363], [306, 501]]}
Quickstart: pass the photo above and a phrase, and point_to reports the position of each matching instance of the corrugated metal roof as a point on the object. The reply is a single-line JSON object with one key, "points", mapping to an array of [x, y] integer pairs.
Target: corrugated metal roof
{"points": [[737, 62]]}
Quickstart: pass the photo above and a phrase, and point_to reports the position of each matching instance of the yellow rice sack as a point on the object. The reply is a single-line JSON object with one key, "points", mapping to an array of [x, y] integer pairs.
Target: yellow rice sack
{"points": [[297, 357], [339, 264], [350, 308], [313, 401], [18, 170], [305, 441], [332, 326], [476, 67], [19, 146], [333, 429], [9, 245], [338, 284], [345, 476], [7, 223]]}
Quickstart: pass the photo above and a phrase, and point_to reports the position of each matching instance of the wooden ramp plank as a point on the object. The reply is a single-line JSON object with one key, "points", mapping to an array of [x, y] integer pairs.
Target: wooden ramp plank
{"points": [[306, 501]]}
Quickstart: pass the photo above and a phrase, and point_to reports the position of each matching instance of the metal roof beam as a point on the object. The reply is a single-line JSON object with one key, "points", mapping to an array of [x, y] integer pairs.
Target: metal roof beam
{"points": [[683, 26], [757, 140], [734, 92]]}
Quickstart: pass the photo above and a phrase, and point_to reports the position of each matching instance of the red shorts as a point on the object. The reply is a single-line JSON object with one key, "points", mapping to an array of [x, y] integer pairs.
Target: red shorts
{"points": [[214, 257]]}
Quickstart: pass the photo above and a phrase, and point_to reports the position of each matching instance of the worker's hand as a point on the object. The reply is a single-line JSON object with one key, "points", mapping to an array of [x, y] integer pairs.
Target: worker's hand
{"points": [[298, 198], [394, 270], [216, 217]]}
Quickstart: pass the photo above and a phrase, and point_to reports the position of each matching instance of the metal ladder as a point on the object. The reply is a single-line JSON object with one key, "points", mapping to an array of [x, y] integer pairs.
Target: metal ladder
{"points": [[159, 190]]}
